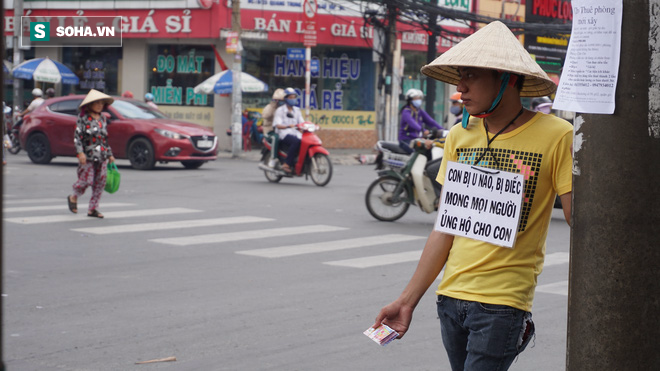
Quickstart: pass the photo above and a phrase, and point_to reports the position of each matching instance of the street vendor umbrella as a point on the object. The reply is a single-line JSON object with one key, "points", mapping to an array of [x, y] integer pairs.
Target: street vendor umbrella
{"points": [[221, 83], [45, 70]]}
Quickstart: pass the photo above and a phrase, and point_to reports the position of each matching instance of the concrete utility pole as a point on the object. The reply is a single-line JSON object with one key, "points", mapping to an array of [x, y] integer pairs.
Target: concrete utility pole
{"points": [[397, 73], [236, 93], [431, 51], [2, 232], [391, 46], [18, 54], [613, 301]]}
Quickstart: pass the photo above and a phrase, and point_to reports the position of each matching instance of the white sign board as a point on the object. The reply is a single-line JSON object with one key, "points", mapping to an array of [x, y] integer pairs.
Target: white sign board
{"points": [[481, 203], [591, 69]]}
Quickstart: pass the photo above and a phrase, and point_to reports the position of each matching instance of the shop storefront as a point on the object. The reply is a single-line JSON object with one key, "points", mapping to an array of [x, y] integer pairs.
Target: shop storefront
{"points": [[170, 47]]}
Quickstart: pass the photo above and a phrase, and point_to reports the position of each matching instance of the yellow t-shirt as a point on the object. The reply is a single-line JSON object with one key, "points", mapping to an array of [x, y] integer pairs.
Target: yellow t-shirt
{"points": [[539, 149]]}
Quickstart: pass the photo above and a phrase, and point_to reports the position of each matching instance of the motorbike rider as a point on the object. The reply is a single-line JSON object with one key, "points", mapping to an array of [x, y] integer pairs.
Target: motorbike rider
{"points": [[268, 115], [455, 110], [414, 120], [5, 139], [50, 93], [149, 98], [286, 118], [36, 102]]}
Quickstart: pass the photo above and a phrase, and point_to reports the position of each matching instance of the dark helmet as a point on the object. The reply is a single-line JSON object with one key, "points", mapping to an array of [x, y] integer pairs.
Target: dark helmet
{"points": [[50, 92]]}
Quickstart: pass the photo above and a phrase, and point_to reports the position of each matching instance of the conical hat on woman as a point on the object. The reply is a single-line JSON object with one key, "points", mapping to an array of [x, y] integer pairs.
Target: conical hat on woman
{"points": [[95, 95], [494, 47]]}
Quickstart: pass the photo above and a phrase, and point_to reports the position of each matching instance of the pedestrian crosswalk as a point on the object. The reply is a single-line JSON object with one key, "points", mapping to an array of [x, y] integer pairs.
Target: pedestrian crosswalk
{"points": [[110, 214], [242, 236], [284, 251], [186, 229], [62, 207], [178, 224]]}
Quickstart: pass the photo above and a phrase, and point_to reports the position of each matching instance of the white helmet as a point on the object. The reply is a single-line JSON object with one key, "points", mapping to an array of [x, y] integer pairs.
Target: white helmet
{"points": [[290, 91], [412, 93], [37, 92]]}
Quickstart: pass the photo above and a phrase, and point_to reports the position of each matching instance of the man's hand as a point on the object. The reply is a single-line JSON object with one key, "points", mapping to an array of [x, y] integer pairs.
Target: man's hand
{"points": [[395, 315], [82, 159]]}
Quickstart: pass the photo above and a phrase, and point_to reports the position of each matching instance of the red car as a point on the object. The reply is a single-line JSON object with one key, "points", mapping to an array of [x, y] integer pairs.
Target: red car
{"points": [[136, 132]]}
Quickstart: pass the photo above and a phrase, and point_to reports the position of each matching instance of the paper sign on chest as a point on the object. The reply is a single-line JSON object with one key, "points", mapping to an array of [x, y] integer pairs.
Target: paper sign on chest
{"points": [[481, 203]]}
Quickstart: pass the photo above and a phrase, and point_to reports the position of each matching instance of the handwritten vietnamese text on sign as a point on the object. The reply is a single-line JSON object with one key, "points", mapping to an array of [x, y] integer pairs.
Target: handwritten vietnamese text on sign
{"points": [[480, 203]]}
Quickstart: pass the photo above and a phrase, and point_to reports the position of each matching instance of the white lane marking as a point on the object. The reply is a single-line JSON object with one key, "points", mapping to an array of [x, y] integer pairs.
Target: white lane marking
{"points": [[127, 228], [556, 258], [62, 207], [246, 235], [82, 215], [558, 288], [32, 201], [311, 248], [378, 260]]}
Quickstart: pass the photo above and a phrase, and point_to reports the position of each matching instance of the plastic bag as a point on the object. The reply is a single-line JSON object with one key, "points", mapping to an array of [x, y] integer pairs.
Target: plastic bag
{"points": [[113, 178], [6, 141]]}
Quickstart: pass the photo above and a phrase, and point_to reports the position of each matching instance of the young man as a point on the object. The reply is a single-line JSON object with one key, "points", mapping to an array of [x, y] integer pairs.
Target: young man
{"points": [[486, 293]]}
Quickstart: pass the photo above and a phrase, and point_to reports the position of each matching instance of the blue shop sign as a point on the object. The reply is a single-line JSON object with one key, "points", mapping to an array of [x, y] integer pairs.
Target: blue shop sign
{"points": [[295, 54]]}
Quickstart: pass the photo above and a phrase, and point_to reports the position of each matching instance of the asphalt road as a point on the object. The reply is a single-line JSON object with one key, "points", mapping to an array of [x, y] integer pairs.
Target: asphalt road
{"points": [[224, 271]]}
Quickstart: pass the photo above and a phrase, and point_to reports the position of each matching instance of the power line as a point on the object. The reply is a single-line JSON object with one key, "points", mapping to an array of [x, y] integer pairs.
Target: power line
{"points": [[417, 13]]}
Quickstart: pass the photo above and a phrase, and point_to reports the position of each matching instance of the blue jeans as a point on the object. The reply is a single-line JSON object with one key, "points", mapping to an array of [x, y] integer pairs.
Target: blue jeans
{"points": [[482, 337]]}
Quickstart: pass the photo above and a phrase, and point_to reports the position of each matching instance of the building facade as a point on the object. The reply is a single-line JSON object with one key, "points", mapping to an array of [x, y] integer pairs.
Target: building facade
{"points": [[169, 47]]}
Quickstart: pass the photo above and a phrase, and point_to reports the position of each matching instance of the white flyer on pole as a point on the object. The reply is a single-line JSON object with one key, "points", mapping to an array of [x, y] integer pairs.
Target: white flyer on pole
{"points": [[589, 77], [480, 203]]}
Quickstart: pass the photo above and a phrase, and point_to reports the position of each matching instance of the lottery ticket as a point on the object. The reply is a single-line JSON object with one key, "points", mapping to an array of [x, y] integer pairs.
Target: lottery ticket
{"points": [[382, 335]]}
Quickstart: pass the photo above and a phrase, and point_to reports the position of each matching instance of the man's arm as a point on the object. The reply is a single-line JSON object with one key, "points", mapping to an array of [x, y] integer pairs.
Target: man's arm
{"points": [[429, 121], [566, 206], [398, 314]]}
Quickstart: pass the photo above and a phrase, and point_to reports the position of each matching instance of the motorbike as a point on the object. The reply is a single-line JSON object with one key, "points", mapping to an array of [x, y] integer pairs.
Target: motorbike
{"points": [[12, 127], [402, 179], [313, 160]]}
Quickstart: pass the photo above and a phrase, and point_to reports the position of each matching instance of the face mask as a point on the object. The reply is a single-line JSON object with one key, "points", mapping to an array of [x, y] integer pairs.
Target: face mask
{"points": [[417, 103], [291, 102], [455, 110]]}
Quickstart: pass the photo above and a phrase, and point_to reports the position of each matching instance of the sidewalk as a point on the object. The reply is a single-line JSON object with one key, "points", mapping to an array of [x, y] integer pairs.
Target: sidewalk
{"points": [[357, 156]]}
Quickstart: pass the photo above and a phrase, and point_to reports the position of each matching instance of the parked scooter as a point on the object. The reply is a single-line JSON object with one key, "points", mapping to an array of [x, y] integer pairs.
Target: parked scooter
{"points": [[313, 159], [403, 181]]}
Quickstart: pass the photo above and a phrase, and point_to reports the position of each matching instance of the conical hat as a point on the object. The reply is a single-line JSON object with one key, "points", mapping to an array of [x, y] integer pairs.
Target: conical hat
{"points": [[493, 47], [95, 95]]}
